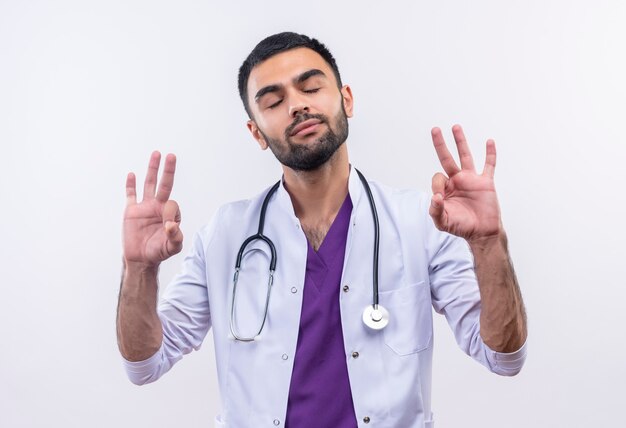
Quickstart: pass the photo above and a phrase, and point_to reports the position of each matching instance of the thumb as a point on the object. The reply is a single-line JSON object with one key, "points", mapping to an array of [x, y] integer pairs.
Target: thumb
{"points": [[171, 212], [174, 237], [439, 183], [437, 211], [171, 222]]}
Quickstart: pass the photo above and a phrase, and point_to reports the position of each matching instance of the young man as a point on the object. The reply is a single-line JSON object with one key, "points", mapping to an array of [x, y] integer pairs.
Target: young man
{"points": [[304, 334]]}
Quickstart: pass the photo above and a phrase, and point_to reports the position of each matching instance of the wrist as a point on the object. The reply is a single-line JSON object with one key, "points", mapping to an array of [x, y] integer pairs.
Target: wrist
{"points": [[138, 278], [485, 243], [141, 268]]}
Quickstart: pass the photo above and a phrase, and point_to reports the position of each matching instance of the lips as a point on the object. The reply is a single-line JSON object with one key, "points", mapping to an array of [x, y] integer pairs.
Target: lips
{"points": [[306, 126]]}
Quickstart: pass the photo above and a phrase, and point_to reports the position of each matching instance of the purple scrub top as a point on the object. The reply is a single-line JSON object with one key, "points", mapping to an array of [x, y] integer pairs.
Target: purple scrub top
{"points": [[320, 393]]}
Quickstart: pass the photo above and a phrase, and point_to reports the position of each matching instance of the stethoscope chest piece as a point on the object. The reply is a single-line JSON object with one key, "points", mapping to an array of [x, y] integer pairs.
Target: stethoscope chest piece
{"points": [[375, 317]]}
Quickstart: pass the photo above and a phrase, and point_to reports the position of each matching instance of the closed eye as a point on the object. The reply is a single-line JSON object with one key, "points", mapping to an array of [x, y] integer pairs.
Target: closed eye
{"points": [[275, 104], [311, 91]]}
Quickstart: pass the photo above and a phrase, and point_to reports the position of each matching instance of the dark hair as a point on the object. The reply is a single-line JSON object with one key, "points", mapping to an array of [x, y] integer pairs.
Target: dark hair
{"points": [[276, 44]]}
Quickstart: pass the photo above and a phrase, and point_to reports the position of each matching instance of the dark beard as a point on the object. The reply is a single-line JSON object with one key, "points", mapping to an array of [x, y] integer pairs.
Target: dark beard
{"points": [[300, 157]]}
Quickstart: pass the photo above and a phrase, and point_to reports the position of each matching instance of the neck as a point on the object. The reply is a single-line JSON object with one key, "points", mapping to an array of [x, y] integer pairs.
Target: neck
{"points": [[318, 195]]}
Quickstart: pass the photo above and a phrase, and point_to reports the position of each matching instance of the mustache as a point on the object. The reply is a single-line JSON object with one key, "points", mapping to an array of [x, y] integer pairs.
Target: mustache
{"points": [[301, 118]]}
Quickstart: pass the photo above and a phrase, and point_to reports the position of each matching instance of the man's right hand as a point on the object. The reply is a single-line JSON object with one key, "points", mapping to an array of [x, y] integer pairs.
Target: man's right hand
{"points": [[151, 230]]}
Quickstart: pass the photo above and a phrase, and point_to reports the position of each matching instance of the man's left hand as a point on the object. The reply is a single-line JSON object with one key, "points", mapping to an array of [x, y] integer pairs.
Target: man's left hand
{"points": [[464, 203]]}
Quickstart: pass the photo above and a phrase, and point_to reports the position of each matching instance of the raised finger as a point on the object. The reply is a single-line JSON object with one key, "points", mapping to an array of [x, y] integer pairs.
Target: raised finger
{"points": [[131, 192], [490, 159], [445, 158], [149, 185], [167, 179], [465, 155]]}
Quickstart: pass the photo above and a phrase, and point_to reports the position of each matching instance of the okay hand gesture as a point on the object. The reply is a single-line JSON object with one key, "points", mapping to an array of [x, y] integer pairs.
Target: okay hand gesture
{"points": [[464, 203], [151, 231]]}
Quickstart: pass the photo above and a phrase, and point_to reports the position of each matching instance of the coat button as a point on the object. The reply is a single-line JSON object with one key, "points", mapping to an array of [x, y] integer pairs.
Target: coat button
{"points": [[355, 354], [346, 288], [276, 422], [366, 419], [285, 357], [294, 290]]}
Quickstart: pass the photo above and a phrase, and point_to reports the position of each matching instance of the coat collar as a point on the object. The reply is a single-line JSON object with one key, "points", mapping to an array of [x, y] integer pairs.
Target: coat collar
{"points": [[355, 189]]}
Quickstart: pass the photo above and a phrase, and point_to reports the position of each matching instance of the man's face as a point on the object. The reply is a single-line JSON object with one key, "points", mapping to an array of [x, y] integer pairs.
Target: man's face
{"points": [[297, 109]]}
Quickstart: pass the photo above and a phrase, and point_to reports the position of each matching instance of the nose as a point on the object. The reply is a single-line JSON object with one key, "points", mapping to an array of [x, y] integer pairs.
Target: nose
{"points": [[298, 106]]}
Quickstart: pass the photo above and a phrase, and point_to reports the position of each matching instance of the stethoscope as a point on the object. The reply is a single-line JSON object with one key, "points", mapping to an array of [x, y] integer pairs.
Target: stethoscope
{"points": [[374, 316]]}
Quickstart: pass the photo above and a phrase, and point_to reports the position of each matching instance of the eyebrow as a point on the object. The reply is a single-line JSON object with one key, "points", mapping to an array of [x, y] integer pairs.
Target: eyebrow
{"points": [[308, 74], [297, 80], [266, 90]]}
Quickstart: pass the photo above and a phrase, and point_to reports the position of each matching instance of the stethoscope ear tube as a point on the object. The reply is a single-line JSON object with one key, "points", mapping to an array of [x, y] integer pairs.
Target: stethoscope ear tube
{"points": [[235, 334]]}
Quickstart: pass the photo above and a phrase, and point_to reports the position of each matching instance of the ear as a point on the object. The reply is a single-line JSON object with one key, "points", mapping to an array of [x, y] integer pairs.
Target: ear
{"points": [[256, 134], [348, 101]]}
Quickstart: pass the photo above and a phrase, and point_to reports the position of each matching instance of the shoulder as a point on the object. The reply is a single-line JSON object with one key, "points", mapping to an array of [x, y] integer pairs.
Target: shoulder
{"points": [[235, 213], [404, 199], [408, 210]]}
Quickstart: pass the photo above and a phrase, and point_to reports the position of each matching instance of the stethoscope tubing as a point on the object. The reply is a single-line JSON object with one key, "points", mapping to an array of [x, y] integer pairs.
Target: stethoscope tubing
{"points": [[372, 316], [258, 236], [376, 237]]}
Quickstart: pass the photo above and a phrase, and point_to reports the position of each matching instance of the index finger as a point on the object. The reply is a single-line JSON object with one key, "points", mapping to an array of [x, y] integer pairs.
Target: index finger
{"points": [[445, 158], [167, 179]]}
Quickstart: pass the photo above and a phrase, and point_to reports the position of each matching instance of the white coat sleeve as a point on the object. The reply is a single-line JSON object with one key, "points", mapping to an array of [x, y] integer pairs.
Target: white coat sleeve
{"points": [[455, 293], [184, 313]]}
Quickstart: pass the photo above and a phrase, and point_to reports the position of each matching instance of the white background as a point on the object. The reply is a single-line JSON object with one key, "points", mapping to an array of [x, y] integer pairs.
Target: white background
{"points": [[89, 88]]}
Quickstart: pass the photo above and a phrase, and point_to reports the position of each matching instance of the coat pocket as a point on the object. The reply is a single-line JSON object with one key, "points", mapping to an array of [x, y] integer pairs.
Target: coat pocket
{"points": [[410, 325]]}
